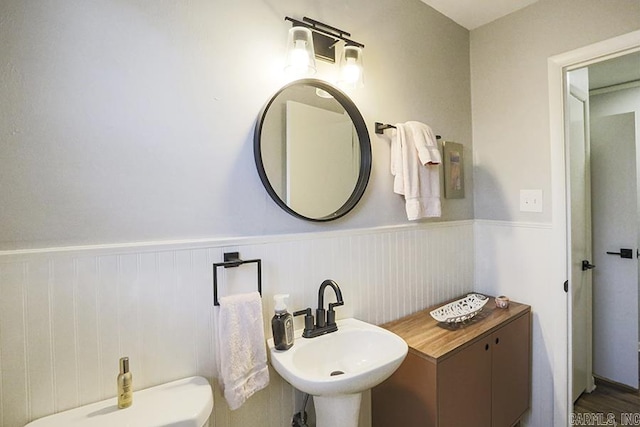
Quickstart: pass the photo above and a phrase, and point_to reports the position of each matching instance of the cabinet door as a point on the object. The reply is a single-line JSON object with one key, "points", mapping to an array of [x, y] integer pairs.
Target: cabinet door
{"points": [[464, 387], [408, 397], [511, 367]]}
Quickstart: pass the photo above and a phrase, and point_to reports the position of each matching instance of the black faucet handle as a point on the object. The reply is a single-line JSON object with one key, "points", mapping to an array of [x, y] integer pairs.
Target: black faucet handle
{"points": [[308, 320], [335, 304], [306, 311], [331, 314]]}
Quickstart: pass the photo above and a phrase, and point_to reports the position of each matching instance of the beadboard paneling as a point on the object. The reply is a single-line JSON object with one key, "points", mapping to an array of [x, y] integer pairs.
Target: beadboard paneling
{"points": [[66, 316], [519, 260]]}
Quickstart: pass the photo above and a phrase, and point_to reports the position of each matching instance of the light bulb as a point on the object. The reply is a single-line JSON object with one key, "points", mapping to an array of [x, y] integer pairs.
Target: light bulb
{"points": [[300, 52], [351, 70], [299, 56]]}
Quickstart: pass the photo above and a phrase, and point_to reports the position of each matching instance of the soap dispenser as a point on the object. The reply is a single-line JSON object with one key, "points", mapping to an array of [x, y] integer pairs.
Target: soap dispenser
{"points": [[282, 324]]}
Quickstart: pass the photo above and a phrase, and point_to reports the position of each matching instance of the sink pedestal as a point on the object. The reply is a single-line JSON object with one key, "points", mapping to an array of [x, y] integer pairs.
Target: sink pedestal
{"points": [[342, 410]]}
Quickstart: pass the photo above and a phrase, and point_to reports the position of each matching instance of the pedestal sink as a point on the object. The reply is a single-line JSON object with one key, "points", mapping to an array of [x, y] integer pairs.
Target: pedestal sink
{"points": [[337, 367]]}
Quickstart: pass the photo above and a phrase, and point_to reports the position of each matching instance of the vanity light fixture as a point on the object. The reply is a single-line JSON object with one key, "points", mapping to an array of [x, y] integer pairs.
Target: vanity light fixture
{"points": [[310, 39]]}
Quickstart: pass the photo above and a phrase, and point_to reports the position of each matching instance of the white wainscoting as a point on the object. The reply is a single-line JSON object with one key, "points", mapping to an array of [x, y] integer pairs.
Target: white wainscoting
{"points": [[68, 314], [525, 262]]}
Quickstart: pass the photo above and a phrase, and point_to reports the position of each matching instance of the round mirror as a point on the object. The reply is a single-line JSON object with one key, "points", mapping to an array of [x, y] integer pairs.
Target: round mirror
{"points": [[312, 150]]}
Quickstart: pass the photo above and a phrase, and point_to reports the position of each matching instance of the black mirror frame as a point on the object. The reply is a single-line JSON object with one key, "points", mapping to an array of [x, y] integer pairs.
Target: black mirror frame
{"points": [[363, 138]]}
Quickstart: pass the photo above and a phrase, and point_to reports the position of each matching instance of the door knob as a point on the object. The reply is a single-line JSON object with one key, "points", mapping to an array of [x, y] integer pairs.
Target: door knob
{"points": [[624, 253], [586, 265]]}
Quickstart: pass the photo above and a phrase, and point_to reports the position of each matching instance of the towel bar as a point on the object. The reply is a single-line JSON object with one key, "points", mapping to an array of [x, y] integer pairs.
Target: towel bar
{"points": [[232, 259], [381, 127]]}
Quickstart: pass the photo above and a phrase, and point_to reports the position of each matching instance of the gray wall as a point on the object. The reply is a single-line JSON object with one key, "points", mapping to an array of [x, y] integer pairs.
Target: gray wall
{"points": [[133, 121], [510, 95], [523, 255]]}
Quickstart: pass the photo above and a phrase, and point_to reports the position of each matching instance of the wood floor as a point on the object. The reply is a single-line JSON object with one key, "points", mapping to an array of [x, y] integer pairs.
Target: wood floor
{"points": [[606, 403]]}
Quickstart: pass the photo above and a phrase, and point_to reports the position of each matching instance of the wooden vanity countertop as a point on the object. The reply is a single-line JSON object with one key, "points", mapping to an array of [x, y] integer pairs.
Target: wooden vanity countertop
{"points": [[428, 338]]}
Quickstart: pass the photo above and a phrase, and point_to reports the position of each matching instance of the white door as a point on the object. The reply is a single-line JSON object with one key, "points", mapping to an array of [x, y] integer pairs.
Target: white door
{"points": [[321, 165], [615, 227], [580, 208]]}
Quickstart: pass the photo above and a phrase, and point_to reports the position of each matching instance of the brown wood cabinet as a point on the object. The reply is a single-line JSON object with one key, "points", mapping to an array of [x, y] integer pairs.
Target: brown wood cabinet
{"points": [[474, 375]]}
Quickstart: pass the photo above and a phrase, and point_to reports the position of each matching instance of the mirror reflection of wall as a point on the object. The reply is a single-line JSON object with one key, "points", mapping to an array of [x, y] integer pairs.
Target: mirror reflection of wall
{"points": [[322, 161]]}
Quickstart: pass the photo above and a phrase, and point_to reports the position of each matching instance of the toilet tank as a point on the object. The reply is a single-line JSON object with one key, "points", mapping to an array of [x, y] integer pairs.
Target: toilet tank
{"points": [[183, 403]]}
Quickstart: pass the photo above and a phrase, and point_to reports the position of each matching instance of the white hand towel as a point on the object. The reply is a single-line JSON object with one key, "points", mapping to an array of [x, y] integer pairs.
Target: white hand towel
{"points": [[243, 352], [414, 164]]}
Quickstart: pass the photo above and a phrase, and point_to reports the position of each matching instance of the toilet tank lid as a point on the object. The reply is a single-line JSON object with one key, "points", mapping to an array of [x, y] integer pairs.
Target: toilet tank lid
{"points": [[186, 403]]}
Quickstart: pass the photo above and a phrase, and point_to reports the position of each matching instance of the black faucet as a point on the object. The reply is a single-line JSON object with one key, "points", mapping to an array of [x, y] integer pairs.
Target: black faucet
{"points": [[329, 320], [325, 319]]}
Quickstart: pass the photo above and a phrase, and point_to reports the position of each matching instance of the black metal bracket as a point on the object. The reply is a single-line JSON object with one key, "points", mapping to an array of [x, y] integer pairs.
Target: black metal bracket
{"points": [[325, 37], [232, 259], [325, 29], [586, 265], [381, 127]]}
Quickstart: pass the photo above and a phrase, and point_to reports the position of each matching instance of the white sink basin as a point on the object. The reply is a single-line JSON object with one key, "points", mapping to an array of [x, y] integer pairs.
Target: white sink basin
{"points": [[358, 354]]}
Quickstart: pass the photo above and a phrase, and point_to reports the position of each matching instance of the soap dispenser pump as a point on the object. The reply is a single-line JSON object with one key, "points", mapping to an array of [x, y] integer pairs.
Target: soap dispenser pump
{"points": [[282, 324]]}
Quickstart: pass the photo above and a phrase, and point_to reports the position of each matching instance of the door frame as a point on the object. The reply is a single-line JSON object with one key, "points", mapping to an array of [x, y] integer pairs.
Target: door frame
{"points": [[556, 67]]}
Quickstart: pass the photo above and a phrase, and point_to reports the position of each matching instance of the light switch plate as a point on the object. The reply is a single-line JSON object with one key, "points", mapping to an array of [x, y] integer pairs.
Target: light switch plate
{"points": [[530, 200]]}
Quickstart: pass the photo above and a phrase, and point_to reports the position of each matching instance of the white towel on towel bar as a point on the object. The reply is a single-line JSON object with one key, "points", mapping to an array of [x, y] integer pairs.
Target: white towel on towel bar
{"points": [[243, 351], [414, 164]]}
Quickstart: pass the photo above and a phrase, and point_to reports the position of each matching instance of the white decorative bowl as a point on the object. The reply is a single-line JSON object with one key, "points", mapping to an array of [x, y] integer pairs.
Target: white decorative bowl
{"points": [[460, 310]]}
